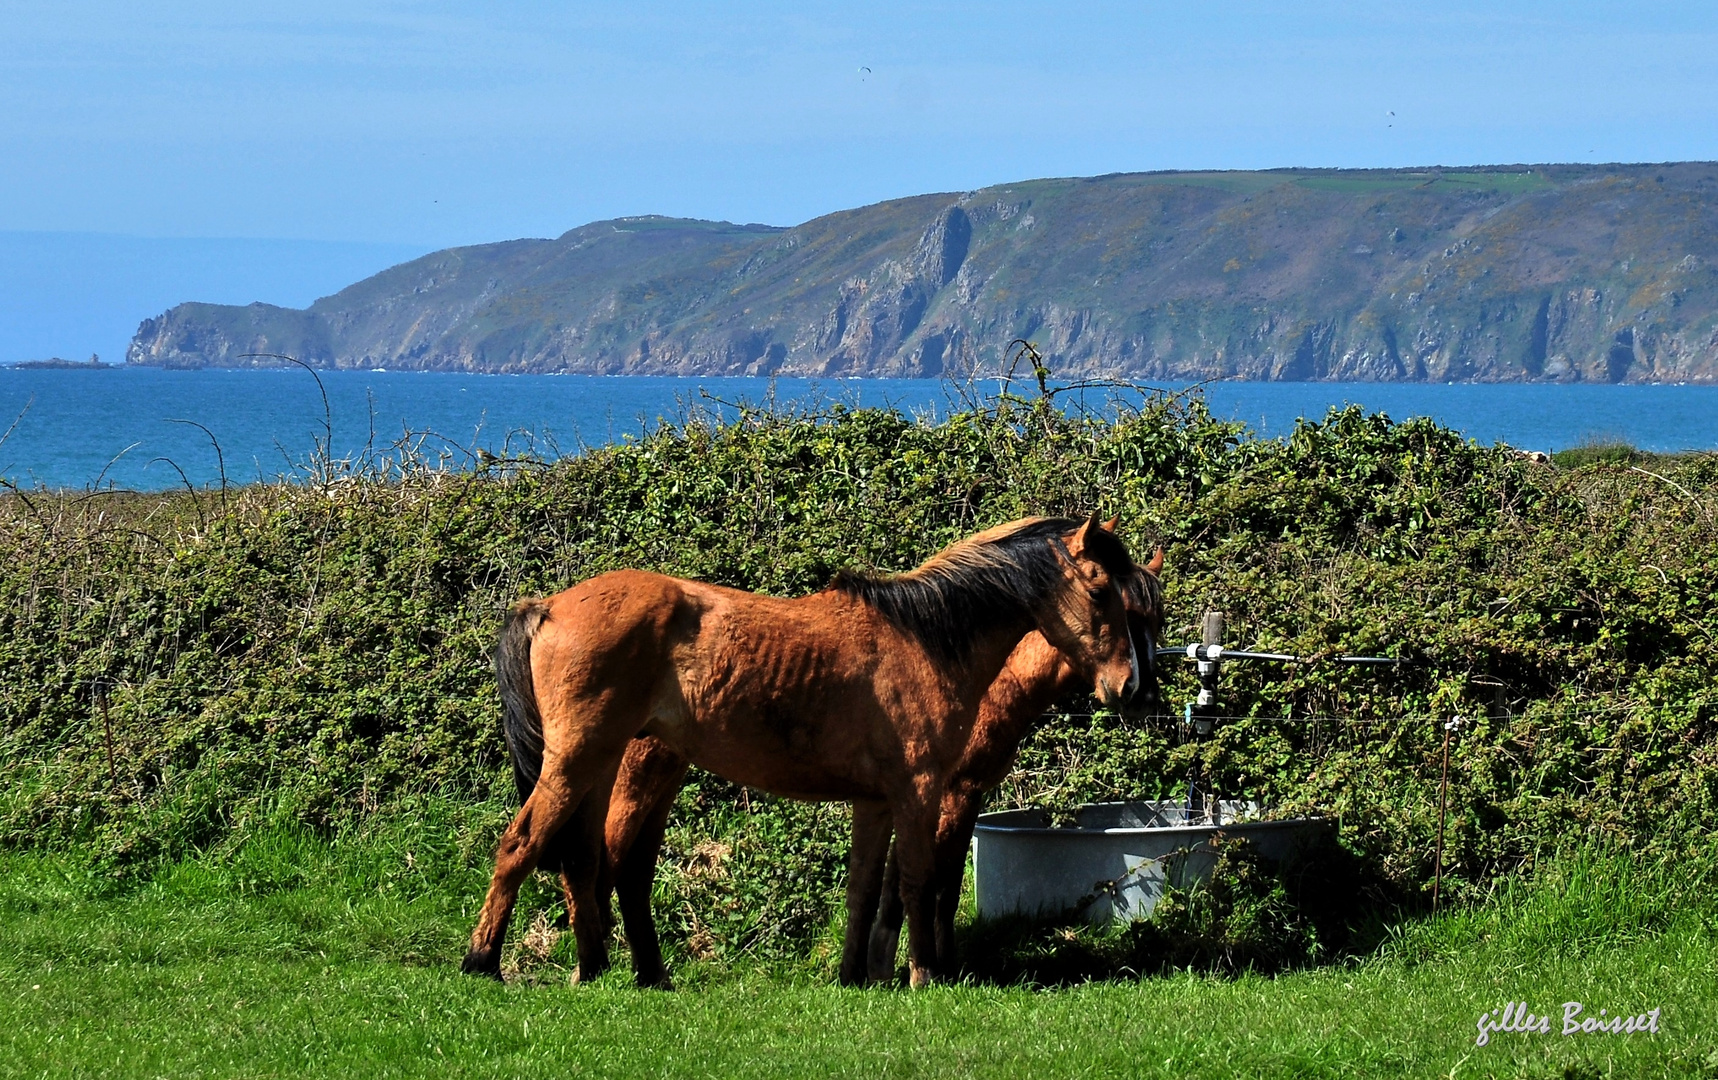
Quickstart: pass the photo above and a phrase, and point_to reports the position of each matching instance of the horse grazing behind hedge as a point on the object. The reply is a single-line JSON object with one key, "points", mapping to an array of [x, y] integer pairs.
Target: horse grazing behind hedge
{"points": [[865, 691]]}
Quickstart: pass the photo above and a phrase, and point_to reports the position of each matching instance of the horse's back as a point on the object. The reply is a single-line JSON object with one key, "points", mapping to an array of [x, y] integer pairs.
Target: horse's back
{"points": [[794, 696]]}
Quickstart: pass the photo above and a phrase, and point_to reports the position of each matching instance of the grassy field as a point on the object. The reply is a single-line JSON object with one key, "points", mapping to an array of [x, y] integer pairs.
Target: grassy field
{"points": [[247, 811], [298, 957]]}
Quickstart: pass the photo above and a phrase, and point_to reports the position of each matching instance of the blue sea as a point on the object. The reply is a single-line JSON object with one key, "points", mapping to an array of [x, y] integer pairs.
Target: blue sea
{"points": [[137, 427]]}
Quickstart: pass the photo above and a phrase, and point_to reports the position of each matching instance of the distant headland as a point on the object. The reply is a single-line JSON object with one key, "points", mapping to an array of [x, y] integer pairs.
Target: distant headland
{"points": [[1594, 273], [56, 363]]}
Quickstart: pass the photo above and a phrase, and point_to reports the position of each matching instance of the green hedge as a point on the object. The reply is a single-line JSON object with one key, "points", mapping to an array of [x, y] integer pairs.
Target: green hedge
{"points": [[315, 653]]}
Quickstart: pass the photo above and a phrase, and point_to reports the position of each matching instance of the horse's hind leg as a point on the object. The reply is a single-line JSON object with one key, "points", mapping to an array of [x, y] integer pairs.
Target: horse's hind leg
{"points": [[550, 806], [871, 824]]}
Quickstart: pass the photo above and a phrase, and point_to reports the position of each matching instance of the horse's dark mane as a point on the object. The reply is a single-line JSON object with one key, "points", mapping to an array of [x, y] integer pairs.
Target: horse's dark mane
{"points": [[1145, 590], [1000, 576]]}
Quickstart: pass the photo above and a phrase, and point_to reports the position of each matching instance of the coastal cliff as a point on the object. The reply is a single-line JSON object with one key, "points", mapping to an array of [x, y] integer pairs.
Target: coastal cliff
{"points": [[1562, 272]]}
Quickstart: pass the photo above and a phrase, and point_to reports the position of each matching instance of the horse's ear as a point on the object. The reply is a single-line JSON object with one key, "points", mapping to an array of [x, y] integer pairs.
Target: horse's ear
{"points": [[1155, 566], [1110, 525], [1077, 542]]}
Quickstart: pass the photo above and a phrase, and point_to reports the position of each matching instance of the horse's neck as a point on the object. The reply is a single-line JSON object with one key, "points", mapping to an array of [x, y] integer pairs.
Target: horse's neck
{"points": [[992, 653], [1035, 675]]}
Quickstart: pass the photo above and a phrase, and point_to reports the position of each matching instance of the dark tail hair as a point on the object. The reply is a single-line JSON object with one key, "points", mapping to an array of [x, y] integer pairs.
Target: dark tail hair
{"points": [[521, 723]]}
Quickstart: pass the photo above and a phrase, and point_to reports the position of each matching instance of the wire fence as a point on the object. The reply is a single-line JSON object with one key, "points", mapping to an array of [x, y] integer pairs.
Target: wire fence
{"points": [[1404, 719]]}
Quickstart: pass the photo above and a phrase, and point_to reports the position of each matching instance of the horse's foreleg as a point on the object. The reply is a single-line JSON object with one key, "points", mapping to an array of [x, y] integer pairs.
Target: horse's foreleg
{"points": [[871, 825], [634, 852], [915, 851], [558, 855], [954, 834], [522, 846], [954, 838], [886, 930], [603, 890]]}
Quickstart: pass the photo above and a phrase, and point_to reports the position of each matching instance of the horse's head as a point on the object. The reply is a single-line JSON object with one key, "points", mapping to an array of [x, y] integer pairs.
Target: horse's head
{"points": [[1143, 597], [1090, 621]]}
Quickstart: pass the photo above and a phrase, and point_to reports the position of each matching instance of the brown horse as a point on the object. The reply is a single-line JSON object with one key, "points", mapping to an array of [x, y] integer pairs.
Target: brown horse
{"points": [[865, 691], [1035, 675]]}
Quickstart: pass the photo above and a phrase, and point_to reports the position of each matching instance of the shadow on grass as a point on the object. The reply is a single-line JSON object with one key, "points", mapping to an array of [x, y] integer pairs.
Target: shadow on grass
{"points": [[1252, 916], [1329, 908]]}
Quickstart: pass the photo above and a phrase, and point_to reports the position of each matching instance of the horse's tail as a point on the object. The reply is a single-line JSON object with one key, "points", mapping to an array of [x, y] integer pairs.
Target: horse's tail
{"points": [[521, 723]]}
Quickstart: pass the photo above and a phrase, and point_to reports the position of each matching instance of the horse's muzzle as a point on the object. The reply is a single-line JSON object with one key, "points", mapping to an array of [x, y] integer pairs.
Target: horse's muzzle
{"points": [[1112, 698], [1142, 705]]}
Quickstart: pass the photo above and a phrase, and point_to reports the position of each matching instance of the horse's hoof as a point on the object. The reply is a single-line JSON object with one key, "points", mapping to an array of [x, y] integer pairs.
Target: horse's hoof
{"points": [[922, 977], [585, 973], [659, 981], [478, 962]]}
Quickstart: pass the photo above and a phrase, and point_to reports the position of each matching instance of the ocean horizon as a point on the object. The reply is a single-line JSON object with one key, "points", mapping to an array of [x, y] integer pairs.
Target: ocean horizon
{"points": [[149, 429]]}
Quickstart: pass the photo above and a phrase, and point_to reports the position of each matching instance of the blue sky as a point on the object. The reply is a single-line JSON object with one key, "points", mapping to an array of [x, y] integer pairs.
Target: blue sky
{"points": [[146, 147], [430, 124]]}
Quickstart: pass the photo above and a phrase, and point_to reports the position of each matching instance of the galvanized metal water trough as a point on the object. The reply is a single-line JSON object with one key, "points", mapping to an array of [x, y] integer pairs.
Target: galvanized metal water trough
{"points": [[1115, 860]]}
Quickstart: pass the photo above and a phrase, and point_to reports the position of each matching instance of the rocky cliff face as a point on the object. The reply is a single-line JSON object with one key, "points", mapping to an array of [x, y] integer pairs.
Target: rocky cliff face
{"points": [[1544, 273]]}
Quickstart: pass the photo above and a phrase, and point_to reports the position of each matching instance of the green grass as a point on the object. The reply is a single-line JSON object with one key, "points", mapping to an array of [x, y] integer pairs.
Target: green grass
{"points": [[1507, 183], [296, 957], [1350, 181], [1600, 452]]}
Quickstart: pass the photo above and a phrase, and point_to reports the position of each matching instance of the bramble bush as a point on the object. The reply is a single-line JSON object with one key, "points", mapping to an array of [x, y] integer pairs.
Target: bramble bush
{"points": [[179, 671]]}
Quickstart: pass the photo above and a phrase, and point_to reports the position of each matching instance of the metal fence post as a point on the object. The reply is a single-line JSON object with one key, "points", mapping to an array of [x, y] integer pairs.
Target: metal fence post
{"points": [[1201, 717]]}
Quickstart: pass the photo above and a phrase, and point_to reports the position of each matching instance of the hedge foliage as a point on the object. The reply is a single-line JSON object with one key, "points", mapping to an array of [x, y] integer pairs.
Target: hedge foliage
{"points": [[176, 669]]}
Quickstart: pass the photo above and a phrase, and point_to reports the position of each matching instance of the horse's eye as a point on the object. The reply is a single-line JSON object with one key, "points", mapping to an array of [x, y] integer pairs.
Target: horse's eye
{"points": [[1096, 592]]}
